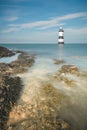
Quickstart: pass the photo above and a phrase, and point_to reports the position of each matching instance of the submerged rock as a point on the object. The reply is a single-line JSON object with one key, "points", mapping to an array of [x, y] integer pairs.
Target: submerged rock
{"points": [[65, 74], [10, 90], [53, 95], [4, 52], [56, 61], [69, 69]]}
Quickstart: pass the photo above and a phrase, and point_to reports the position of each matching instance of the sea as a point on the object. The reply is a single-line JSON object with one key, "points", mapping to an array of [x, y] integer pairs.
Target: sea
{"points": [[72, 53], [75, 111]]}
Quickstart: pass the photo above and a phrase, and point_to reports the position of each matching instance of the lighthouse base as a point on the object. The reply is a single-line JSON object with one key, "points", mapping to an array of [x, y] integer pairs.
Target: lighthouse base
{"points": [[60, 42]]}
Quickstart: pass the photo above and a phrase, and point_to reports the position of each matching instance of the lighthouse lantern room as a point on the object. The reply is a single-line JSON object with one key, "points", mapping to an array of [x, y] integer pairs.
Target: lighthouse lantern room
{"points": [[61, 36]]}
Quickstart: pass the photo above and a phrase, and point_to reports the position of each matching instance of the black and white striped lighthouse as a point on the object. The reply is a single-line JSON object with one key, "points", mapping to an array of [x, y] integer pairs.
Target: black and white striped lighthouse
{"points": [[61, 36]]}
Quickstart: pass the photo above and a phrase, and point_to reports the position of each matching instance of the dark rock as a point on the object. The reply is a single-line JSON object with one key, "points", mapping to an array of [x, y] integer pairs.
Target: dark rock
{"points": [[10, 90], [4, 52]]}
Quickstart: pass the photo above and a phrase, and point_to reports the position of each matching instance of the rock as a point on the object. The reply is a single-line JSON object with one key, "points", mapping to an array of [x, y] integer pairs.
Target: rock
{"points": [[10, 90], [22, 63], [23, 60], [69, 69], [56, 61], [18, 66], [63, 125], [4, 52], [63, 77], [40, 115], [5, 69]]}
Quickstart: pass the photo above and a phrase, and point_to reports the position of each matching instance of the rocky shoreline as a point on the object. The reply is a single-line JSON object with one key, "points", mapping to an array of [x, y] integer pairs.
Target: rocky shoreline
{"points": [[4, 52], [20, 65], [40, 112], [10, 90], [10, 84]]}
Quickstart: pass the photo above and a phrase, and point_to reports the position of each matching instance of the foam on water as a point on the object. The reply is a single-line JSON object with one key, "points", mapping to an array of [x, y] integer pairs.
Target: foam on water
{"points": [[35, 76]]}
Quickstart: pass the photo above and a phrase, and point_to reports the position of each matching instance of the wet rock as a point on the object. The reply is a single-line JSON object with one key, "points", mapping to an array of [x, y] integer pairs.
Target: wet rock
{"points": [[10, 90], [5, 69], [63, 125], [42, 118], [40, 115], [65, 75], [56, 61], [64, 79], [24, 60], [69, 69], [53, 95], [4, 52], [22, 63], [19, 66]]}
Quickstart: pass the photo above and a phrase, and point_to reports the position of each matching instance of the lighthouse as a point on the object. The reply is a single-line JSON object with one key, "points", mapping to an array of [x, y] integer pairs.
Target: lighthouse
{"points": [[61, 36]]}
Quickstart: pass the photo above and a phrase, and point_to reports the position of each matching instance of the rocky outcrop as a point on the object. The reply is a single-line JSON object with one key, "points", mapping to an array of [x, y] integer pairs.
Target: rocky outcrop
{"points": [[24, 60], [19, 66], [11, 85], [40, 115], [56, 61], [4, 52], [10, 90], [69, 69], [62, 75]]}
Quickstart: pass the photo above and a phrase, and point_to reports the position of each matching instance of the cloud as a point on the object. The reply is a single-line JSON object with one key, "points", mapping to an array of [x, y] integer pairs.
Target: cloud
{"points": [[10, 19], [72, 16], [51, 26], [71, 35], [34, 37], [76, 31], [10, 30], [45, 24], [53, 22]]}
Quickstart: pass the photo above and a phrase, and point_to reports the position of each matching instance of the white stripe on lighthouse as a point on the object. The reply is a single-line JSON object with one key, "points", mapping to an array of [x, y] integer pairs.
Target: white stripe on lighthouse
{"points": [[60, 33], [61, 40]]}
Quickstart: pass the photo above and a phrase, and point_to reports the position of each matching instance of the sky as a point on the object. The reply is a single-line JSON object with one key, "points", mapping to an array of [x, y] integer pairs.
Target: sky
{"points": [[38, 21]]}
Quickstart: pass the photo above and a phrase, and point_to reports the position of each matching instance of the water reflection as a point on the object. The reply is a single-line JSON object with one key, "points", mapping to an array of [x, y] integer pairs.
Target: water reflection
{"points": [[60, 52]]}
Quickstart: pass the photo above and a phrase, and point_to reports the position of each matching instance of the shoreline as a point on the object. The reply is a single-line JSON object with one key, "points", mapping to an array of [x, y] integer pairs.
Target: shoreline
{"points": [[42, 102], [10, 84]]}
